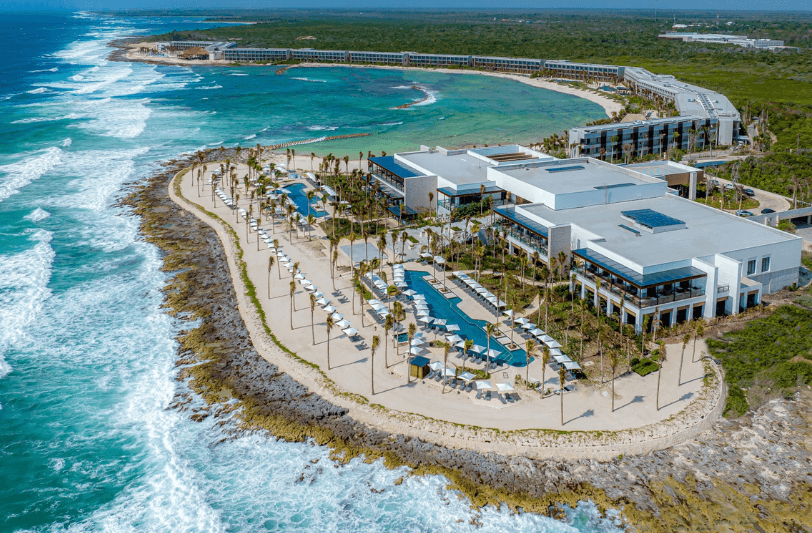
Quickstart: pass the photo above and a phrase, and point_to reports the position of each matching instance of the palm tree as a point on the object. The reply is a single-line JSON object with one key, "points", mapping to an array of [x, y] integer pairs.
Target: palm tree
{"points": [[381, 249], [562, 378], [545, 360], [699, 330], [660, 362], [467, 345], [446, 348], [352, 237], [355, 279], [330, 323], [292, 303], [271, 261], [490, 330], [388, 324], [529, 346], [431, 199], [376, 341], [685, 340], [614, 361], [412, 331], [312, 310]]}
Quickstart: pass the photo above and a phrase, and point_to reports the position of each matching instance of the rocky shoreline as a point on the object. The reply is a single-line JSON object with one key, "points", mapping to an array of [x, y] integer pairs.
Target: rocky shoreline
{"points": [[754, 473]]}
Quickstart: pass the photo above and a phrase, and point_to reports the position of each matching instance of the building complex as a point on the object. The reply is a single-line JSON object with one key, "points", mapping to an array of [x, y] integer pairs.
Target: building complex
{"points": [[716, 38], [642, 250]]}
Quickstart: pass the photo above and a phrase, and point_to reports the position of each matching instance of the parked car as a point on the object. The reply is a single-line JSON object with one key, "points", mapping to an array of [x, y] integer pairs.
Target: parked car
{"points": [[767, 211], [729, 186], [744, 213], [749, 192], [713, 183]]}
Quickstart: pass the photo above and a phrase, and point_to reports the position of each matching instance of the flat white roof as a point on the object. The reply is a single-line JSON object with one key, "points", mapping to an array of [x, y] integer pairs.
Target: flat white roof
{"points": [[459, 169], [567, 176], [700, 237]]}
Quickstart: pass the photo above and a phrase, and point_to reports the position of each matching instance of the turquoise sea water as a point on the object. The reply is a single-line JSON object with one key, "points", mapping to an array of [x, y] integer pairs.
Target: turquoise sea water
{"points": [[88, 440]]}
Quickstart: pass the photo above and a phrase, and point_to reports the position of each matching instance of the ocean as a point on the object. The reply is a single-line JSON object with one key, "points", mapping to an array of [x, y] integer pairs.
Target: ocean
{"points": [[88, 440]]}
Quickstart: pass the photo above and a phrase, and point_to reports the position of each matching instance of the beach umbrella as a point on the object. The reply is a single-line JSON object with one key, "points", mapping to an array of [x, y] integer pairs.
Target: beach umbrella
{"points": [[481, 290], [453, 338], [401, 284], [421, 307], [439, 260], [374, 301], [537, 332], [546, 338], [521, 320], [556, 351], [482, 385], [318, 294], [415, 350], [460, 344], [383, 311], [351, 332], [553, 344], [330, 309], [508, 312], [452, 327], [280, 254], [409, 292], [528, 326], [423, 312], [449, 372], [504, 387], [493, 353], [343, 324], [476, 348], [417, 342], [425, 319], [311, 288], [323, 301], [304, 282], [419, 296], [561, 359], [467, 376], [439, 322], [435, 365], [572, 365], [337, 316], [425, 254]]}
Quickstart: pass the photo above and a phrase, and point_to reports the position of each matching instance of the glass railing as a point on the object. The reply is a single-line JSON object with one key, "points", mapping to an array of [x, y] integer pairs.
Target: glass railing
{"points": [[609, 286], [522, 238]]}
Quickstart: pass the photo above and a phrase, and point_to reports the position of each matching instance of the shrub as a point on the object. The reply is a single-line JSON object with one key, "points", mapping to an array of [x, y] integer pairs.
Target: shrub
{"points": [[736, 401], [645, 367], [786, 225]]}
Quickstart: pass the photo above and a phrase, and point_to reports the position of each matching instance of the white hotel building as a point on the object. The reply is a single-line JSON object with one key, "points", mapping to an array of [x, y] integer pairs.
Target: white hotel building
{"points": [[654, 252]]}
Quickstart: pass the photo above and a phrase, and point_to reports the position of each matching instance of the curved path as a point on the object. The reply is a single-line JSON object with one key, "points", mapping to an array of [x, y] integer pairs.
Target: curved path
{"points": [[451, 419]]}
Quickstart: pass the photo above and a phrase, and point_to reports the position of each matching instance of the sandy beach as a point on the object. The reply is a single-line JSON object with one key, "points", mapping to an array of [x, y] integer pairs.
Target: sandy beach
{"points": [[609, 105]]}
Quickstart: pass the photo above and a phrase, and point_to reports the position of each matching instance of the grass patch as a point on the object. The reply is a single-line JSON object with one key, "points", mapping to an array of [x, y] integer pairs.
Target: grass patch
{"points": [[645, 366], [768, 358]]}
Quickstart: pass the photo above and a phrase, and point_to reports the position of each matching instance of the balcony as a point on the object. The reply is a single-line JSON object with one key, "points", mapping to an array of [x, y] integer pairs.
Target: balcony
{"points": [[632, 295], [525, 241]]}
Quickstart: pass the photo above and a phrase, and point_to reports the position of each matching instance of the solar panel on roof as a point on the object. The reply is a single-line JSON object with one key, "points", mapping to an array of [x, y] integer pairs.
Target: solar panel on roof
{"points": [[650, 218], [564, 169]]}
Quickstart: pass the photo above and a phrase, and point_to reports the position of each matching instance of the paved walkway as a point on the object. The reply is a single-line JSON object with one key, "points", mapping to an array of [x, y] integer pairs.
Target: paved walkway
{"points": [[585, 409]]}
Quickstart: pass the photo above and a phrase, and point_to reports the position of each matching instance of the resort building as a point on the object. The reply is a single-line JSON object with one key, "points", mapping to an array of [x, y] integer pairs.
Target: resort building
{"points": [[444, 179], [508, 64], [378, 58], [436, 60], [309, 54], [642, 137], [582, 71], [640, 249], [679, 177], [256, 54]]}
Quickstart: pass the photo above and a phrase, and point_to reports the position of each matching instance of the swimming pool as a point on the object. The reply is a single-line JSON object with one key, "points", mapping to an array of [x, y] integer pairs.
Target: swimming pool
{"points": [[442, 307], [297, 195]]}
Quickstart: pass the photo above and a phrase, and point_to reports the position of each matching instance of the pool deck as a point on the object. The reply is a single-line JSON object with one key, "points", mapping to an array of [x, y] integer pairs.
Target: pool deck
{"points": [[587, 408]]}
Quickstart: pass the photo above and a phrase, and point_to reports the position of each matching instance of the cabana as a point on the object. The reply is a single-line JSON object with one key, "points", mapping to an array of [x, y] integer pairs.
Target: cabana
{"points": [[419, 367]]}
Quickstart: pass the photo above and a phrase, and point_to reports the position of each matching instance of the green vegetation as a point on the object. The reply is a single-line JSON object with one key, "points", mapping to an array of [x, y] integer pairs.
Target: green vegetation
{"points": [[781, 173], [769, 357], [644, 366]]}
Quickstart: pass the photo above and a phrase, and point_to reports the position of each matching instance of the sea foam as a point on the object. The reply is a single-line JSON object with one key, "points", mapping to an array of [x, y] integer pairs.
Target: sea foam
{"points": [[15, 176]]}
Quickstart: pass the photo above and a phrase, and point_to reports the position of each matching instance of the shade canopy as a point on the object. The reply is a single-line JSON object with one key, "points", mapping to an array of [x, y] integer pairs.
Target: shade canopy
{"points": [[449, 372], [452, 327], [425, 319], [343, 324], [476, 348], [521, 320], [417, 342], [337, 316], [439, 260], [299, 276], [409, 292], [330, 309], [440, 322], [415, 350], [323, 301], [483, 385], [435, 365], [423, 312], [504, 387], [509, 312], [467, 376], [453, 338], [350, 331], [493, 353]]}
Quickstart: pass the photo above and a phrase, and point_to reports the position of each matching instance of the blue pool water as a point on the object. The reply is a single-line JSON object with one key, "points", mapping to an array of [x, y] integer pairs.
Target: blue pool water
{"points": [[448, 308], [297, 194]]}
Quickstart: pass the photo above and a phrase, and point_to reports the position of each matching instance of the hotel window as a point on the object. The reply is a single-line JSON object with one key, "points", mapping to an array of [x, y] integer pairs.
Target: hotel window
{"points": [[765, 264], [751, 267]]}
